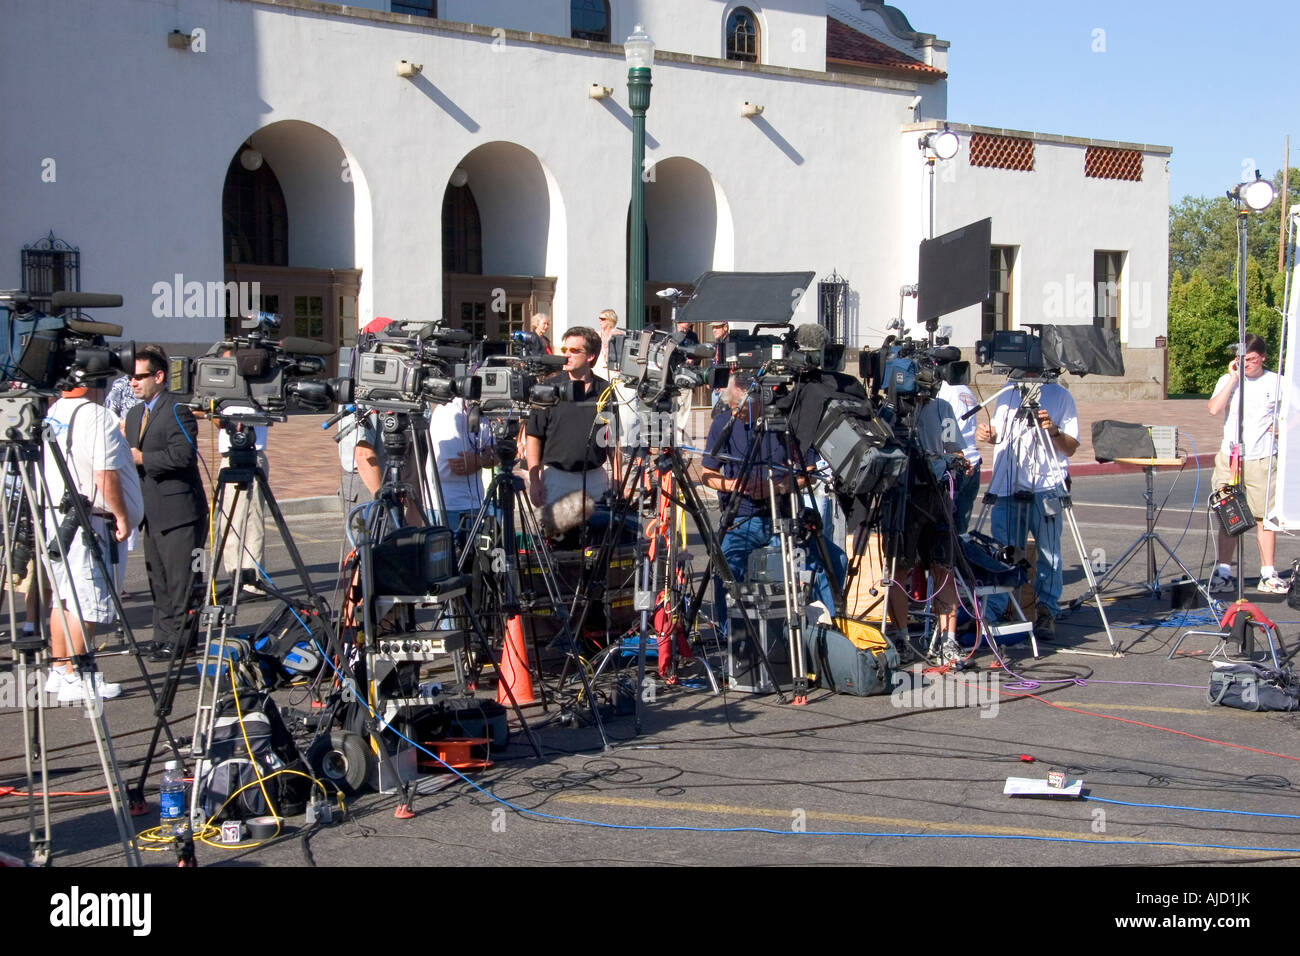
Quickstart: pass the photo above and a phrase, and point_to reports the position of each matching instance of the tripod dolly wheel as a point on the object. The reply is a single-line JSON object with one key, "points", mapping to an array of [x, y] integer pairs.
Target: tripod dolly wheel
{"points": [[341, 758]]}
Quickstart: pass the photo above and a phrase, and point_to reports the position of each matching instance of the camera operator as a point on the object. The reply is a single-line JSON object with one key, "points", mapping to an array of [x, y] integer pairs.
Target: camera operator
{"points": [[566, 448], [102, 472], [928, 535], [1028, 493], [966, 485], [460, 457], [1255, 465], [721, 331], [751, 526]]}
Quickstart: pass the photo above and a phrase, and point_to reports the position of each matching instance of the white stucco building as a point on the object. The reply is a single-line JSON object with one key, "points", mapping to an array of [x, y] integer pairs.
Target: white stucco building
{"points": [[177, 146]]}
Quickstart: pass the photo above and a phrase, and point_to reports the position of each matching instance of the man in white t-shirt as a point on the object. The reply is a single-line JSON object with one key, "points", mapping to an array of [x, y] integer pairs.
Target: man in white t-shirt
{"points": [[967, 488], [102, 471], [460, 457], [1259, 438], [1030, 465]]}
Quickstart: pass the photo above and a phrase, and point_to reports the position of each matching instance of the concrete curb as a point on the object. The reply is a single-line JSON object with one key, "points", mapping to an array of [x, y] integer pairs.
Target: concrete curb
{"points": [[319, 505]]}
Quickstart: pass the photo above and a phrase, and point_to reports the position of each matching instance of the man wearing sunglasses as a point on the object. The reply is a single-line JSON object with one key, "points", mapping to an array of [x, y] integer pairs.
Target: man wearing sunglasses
{"points": [[163, 436], [566, 447]]}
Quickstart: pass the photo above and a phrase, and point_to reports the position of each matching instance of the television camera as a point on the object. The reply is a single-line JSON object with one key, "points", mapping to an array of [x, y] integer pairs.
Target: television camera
{"points": [[403, 367], [510, 375], [254, 371], [657, 365], [53, 352]]}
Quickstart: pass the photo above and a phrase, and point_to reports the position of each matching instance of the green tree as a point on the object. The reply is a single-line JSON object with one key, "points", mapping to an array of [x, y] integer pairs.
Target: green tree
{"points": [[1203, 323], [1203, 232]]}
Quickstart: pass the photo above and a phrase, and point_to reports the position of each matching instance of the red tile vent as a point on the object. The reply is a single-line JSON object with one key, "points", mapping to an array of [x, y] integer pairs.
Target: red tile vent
{"points": [[1002, 152], [1106, 162]]}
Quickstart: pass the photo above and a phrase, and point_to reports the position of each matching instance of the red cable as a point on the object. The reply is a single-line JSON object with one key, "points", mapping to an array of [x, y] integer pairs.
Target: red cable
{"points": [[1138, 723]]}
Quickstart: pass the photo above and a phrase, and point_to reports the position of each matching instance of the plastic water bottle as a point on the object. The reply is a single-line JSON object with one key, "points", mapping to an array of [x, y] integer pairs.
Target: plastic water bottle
{"points": [[174, 814]]}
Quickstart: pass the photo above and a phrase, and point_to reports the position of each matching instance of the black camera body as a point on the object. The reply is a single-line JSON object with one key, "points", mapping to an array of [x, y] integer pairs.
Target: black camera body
{"points": [[253, 372], [514, 376], [55, 352], [657, 365]]}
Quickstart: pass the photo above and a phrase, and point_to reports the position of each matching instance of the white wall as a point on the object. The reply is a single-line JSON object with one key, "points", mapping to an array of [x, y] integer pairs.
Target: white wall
{"points": [[1057, 217], [146, 133]]}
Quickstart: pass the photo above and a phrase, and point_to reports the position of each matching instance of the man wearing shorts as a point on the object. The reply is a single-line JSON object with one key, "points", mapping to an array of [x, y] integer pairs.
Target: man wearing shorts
{"points": [[102, 472], [1257, 459]]}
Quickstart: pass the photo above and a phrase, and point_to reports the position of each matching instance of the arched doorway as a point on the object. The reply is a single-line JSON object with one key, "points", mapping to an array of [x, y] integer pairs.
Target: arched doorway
{"points": [[503, 241], [289, 233]]}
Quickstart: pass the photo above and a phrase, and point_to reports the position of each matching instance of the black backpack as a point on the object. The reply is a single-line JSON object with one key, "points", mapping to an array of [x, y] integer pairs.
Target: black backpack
{"points": [[228, 779]]}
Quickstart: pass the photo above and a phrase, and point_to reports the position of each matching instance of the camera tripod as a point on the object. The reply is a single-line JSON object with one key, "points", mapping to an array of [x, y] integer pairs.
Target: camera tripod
{"points": [[402, 432], [24, 471], [1023, 426], [659, 576], [505, 506], [746, 595]]}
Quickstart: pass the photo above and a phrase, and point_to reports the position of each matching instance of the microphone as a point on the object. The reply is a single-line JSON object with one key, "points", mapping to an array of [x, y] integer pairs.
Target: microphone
{"points": [[85, 300], [95, 328], [811, 337]]}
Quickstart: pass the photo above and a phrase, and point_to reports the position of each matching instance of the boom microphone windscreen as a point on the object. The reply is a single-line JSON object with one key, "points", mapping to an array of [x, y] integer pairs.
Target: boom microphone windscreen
{"points": [[94, 328], [810, 337], [85, 300]]}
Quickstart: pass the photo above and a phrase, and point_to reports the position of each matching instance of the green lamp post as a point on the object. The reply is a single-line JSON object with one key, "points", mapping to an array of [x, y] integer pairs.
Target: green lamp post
{"points": [[639, 50]]}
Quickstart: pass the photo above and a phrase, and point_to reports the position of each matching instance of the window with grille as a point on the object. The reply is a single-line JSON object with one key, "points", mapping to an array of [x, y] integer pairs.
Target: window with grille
{"points": [[1107, 162], [1106, 270], [742, 36], [997, 307], [589, 20], [50, 265]]}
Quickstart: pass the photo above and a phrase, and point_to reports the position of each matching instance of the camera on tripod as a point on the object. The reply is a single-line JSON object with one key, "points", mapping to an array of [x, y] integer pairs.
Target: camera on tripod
{"points": [[409, 366], [905, 368], [254, 371], [656, 364], [59, 352], [1078, 349], [509, 375]]}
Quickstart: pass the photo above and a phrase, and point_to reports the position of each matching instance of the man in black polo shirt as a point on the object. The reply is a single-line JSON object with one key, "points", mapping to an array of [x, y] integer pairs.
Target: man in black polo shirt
{"points": [[566, 447]]}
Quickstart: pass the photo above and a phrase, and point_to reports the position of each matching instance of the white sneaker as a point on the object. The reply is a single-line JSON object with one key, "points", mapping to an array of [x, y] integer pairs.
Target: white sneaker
{"points": [[1272, 585], [1220, 584], [55, 679], [73, 689]]}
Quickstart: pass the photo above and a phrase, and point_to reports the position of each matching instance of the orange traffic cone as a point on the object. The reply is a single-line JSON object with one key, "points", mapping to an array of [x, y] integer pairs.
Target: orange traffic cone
{"points": [[514, 666]]}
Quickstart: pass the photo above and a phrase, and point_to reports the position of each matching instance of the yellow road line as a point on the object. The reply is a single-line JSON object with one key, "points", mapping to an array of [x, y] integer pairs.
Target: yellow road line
{"points": [[893, 823]]}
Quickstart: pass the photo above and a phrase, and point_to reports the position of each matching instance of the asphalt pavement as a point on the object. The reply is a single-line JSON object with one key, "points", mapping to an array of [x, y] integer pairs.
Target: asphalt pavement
{"points": [[741, 780]]}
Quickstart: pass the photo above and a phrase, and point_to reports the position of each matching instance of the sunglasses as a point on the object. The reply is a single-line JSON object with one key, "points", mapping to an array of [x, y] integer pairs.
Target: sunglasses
{"points": [[579, 351], [140, 377]]}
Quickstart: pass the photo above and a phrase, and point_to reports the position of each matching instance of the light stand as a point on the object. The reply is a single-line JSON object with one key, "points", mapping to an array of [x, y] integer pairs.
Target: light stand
{"points": [[1247, 197], [935, 146]]}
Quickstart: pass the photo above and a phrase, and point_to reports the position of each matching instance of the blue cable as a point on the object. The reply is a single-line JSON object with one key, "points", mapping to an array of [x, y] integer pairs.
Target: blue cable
{"points": [[1168, 806], [813, 833]]}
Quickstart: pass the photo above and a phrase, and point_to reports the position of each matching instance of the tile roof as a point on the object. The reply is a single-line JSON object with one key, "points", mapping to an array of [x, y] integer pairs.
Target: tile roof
{"points": [[846, 45]]}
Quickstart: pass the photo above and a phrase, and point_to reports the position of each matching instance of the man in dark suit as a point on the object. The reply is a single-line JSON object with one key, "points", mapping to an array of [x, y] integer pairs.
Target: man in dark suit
{"points": [[164, 444]]}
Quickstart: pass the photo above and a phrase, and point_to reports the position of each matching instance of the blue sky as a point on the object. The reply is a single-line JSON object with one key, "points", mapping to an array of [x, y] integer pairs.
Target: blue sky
{"points": [[1170, 74]]}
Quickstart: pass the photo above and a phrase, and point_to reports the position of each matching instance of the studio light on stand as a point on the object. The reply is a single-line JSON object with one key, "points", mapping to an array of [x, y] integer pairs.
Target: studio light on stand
{"points": [[1253, 196], [934, 146]]}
